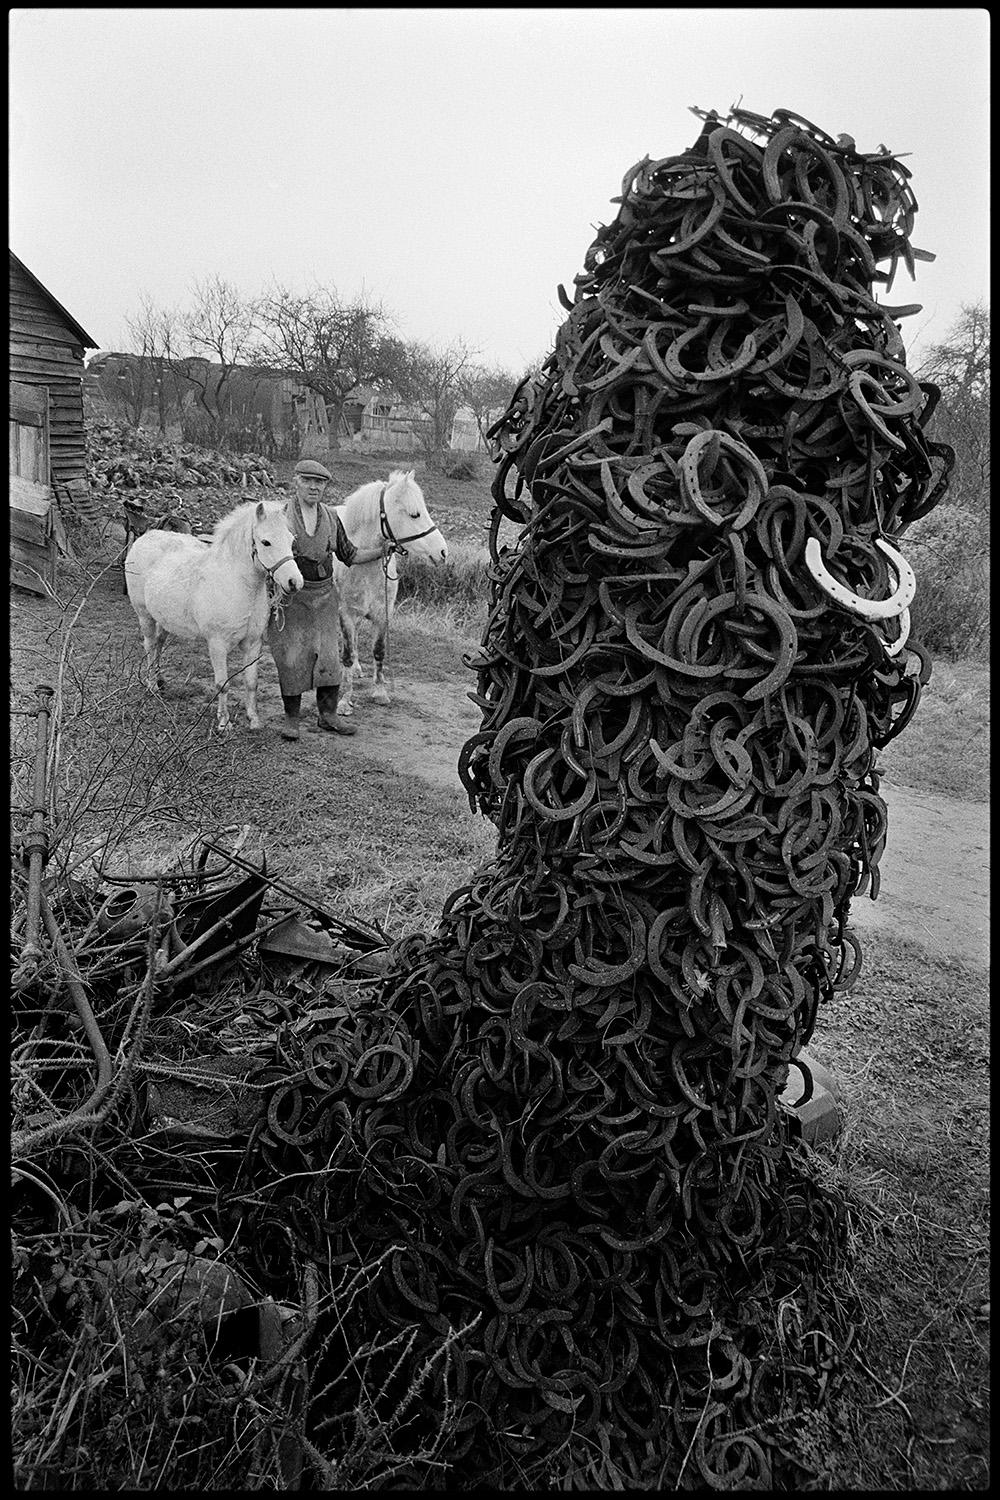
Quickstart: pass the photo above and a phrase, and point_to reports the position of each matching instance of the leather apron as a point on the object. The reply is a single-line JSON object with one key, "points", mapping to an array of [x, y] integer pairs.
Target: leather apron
{"points": [[306, 645]]}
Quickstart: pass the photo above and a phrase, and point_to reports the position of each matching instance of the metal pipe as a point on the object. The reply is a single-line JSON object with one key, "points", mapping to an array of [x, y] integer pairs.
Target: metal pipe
{"points": [[36, 841], [90, 1113], [87, 1114], [67, 963]]}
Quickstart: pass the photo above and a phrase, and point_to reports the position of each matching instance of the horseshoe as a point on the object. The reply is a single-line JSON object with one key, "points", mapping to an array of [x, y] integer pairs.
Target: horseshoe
{"points": [[865, 609], [904, 631]]}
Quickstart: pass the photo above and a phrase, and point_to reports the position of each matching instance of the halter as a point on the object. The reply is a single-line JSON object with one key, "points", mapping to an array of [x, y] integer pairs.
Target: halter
{"points": [[398, 542], [276, 595], [273, 568]]}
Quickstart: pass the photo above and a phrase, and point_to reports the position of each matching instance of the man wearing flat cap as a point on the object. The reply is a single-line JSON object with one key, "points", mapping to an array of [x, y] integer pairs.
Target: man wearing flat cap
{"points": [[304, 637]]}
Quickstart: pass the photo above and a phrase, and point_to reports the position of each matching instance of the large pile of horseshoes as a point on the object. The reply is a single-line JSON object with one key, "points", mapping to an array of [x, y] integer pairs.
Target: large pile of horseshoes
{"points": [[559, 1123]]}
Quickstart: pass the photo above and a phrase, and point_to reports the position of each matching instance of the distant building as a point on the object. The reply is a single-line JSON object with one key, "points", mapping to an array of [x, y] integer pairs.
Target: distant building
{"points": [[277, 414], [465, 433], [379, 419], [274, 413]]}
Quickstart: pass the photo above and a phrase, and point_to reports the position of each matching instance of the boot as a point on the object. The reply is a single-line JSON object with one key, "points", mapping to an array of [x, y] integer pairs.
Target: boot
{"points": [[290, 727], [326, 699]]}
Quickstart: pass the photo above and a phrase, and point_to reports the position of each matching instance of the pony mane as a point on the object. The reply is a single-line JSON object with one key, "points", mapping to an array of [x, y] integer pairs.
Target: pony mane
{"points": [[235, 529], [361, 504]]}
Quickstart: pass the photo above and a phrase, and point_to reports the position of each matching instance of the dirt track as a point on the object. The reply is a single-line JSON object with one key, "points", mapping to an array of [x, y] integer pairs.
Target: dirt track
{"points": [[935, 875]]}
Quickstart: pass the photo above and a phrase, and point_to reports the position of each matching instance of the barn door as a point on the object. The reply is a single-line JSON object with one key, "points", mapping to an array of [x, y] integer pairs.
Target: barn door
{"points": [[31, 512], [29, 431]]}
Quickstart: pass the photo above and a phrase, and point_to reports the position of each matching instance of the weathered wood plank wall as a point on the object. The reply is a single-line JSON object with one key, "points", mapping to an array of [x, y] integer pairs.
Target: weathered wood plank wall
{"points": [[46, 351]]}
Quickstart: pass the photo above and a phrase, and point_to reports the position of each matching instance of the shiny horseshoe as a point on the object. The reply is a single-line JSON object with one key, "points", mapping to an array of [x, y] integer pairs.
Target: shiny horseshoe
{"points": [[900, 641], [865, 609]]}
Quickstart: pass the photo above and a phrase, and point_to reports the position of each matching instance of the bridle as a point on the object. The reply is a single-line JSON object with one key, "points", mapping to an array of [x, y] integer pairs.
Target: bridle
{"points": [[275, 593], [398, 542], [269, 568]]}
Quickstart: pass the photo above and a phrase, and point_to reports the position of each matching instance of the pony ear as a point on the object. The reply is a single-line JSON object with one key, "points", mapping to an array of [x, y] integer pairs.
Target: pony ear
{"points": [[260, 510]]}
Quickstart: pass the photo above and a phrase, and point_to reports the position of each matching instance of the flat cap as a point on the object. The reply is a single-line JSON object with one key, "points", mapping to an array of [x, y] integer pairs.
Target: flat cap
{"points": [[309, 468]]}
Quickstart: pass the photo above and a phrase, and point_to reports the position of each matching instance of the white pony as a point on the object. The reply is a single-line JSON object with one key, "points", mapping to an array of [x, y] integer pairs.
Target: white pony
{"points": [[395, 510], [219, 591]]}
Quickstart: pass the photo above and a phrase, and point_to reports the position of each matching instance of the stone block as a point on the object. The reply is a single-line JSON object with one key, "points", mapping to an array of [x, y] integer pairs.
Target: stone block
{"points": [[812, 1100]]}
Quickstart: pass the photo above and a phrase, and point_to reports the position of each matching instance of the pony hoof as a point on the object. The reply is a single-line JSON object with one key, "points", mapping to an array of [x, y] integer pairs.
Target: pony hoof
{"points": [[345, 710], [380, 695]]}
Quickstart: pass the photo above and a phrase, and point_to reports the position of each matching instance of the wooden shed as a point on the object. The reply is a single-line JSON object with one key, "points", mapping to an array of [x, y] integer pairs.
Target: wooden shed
{"points": [[47, 445]]}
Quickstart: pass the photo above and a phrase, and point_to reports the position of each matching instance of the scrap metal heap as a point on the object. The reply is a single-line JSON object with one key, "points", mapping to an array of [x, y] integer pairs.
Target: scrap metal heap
{"points": [[557, 1123]]}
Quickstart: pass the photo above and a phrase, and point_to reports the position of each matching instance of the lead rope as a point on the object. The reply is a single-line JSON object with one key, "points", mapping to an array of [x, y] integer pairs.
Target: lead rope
{"points": [[277, 598], [386, 531], [275, 594], [395, 545]]}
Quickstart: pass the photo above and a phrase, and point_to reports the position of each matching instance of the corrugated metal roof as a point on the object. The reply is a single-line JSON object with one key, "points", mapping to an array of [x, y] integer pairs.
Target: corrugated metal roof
{"points": [[82, 334]]}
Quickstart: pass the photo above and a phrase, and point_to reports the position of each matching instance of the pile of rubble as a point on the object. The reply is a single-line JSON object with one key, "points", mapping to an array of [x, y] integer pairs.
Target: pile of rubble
{"points": [[158, 478]]}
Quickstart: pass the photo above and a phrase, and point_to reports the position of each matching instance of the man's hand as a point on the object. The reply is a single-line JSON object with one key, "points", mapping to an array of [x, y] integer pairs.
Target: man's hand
{"points": [[373, 554]]}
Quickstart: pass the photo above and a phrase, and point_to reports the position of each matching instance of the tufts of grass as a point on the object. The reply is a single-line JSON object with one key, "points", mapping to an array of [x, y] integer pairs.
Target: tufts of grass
{"points": [[130, 1373], [463, 465], [459, 587], [120, 1385], [395, 866], [950, 551], [951, 612], [909, 1050], [945, 748]]}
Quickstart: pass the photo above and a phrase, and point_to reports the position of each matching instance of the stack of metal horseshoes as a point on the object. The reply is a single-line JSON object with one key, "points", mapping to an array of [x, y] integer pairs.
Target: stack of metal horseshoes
{"points": [[561, 1117]]}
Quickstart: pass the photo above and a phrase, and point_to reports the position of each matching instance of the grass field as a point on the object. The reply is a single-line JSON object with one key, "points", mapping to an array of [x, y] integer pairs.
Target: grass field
{"points": [[946, 745], [908, 1045]]}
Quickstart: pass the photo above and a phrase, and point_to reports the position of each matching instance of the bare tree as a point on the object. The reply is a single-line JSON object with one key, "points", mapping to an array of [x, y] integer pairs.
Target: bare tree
{"points": [[153, 333], [220, 329], [331, 346], [133, 380], [950, 546], [961, 363], [535, 366], [486, 392], [432, 384], [960, 366]]}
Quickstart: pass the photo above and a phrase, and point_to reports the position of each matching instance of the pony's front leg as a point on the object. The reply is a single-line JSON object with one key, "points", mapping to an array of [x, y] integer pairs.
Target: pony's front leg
{"points": [[219, 653], [152, 645], [349, 656], [382, 619], [251, 662], [380, 692], [158, 644]]}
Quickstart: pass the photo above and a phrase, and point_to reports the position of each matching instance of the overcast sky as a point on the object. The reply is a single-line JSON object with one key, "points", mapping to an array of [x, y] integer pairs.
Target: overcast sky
{"points": [[452, 163]]}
